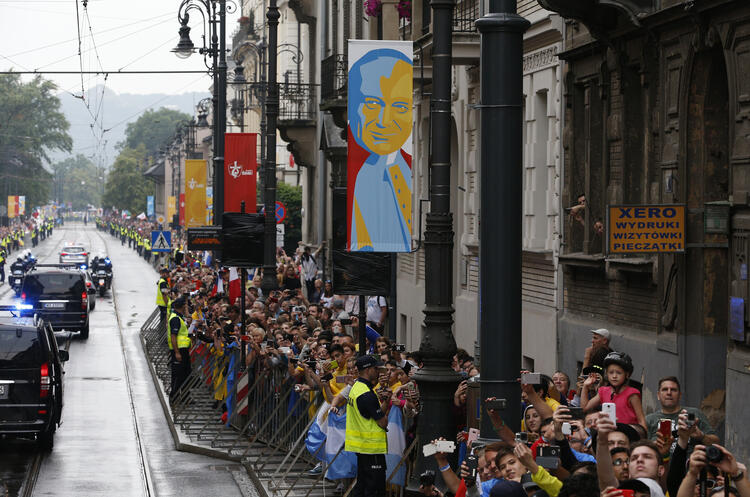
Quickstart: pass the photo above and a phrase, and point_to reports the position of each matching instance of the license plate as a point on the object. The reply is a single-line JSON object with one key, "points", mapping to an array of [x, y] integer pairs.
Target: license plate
{"points": [[54, 305], [3, 391]]}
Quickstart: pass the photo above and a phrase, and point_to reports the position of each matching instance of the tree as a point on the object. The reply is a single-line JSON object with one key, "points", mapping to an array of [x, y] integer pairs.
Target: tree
{"points": [[291, 197], [153, 129], [126, 186], [76, 180], [32, 125]]}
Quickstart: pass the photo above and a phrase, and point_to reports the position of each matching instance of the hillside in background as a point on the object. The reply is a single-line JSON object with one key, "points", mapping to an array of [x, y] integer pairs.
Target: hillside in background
{"points": [[114, 111]]}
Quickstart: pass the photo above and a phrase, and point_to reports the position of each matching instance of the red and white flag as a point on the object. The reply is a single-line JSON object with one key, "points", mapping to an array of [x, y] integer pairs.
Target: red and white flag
{"points": [[235, 288]]}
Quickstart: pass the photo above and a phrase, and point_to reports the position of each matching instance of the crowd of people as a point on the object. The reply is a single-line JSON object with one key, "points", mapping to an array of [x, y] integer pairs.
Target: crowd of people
{"points": [[12, 237], [584, 438]]}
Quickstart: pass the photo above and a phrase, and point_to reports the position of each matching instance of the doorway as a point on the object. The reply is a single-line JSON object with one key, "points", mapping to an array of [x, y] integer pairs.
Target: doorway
{"points": [[707, 255]]}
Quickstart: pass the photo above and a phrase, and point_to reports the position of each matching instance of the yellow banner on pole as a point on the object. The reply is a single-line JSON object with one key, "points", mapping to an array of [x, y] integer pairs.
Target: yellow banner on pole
{"points": [[12, 206], [171, 208], [195, 193]]}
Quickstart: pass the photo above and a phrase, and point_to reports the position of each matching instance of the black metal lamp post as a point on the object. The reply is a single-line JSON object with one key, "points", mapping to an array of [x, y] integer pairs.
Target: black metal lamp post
{"points": [[269, 165], [213, 13], [437, 381], [501, 56]]}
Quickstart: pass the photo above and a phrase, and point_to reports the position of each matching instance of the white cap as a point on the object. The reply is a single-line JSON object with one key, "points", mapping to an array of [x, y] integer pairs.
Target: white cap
{"points": [[604, 332], [653, 485]]}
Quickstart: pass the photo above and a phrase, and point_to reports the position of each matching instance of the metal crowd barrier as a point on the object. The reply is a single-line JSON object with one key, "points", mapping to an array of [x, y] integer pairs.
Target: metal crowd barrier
{"points": [[269, 438]]}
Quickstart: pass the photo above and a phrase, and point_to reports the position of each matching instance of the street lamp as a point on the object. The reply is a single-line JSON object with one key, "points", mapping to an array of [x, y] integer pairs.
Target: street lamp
{"points": [[213, 13]]}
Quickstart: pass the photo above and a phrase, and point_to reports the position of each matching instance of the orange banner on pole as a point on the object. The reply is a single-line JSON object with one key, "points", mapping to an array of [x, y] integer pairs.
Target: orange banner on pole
{"points": [[195, 193], [171, 208], [12, 205]]}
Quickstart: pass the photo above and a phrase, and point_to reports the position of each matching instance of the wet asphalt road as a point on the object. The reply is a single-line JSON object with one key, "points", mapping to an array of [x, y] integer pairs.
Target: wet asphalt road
{"points": [[114, 439]]}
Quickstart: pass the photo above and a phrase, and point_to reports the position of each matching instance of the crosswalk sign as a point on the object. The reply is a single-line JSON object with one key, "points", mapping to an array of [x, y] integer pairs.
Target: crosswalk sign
{"points": [[161, 241]]}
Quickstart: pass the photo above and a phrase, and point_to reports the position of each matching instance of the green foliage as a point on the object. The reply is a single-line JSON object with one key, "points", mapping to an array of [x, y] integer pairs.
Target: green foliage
{"points": [[32, 125], [291, 197], [76, 180], [153, 129], [126, 186]]}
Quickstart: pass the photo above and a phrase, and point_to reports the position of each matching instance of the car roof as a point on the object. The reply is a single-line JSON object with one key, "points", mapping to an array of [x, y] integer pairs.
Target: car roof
{"points": [[56, 271]]}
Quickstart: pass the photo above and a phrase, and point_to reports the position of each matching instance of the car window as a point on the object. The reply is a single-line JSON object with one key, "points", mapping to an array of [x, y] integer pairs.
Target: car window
{"points": [[57, 284], [73, 250], [20, 347]]}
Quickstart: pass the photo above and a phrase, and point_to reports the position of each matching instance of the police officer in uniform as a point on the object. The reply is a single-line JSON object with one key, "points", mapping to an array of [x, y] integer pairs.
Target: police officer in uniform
{"points": [[179, 346], [366, 423], [2, 265], [162, 293]]}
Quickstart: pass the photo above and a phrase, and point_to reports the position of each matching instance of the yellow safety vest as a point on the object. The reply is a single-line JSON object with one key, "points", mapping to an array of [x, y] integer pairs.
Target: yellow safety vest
{"points": [[363, 435], [183, 340], [160, 296]]}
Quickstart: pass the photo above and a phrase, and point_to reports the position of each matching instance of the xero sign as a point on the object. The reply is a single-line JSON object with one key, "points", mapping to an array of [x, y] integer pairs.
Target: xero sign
{"points": [[646, 228]]}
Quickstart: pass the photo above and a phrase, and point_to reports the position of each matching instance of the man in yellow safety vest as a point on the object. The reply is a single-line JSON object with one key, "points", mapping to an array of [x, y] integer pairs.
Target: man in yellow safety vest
{"points": [[162, 293], [366, 423], [179, 346]]}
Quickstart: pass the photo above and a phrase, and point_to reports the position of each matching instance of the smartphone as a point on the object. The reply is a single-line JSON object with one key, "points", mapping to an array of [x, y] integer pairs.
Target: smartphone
{"points": [[497, 404], [665, 427], [531, 378], [327, 377], [627, 493], [576, 412], [548, 456], [472, 462], [611, 410], [566, 428]]}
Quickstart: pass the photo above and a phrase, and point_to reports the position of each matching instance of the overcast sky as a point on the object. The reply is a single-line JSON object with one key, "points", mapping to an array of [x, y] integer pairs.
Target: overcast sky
{"points": [[127, 34]]}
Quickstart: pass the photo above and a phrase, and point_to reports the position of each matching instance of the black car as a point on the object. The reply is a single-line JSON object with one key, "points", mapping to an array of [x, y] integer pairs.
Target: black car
{"points": [[60, 297], [31, 379]]}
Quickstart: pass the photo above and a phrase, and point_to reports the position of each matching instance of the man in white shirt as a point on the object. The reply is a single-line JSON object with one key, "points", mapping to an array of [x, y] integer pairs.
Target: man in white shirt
{"points": [[377, 310]]}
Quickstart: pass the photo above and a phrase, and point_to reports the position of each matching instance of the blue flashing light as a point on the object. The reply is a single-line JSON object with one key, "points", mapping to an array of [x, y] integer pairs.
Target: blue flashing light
{"points": [[83, 266], [107, 260], [24, 307]]}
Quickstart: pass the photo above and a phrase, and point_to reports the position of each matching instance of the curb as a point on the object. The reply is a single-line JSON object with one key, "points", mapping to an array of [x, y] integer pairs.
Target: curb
{"points": [[181, 442]]}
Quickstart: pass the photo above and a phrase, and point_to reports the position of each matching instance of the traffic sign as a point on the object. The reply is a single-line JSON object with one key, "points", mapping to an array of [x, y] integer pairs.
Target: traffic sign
{"points": [[160, 219], [280, 212], [161, 241]]}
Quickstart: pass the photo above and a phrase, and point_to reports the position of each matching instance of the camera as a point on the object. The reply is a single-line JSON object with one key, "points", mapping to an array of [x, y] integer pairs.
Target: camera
{"points": [[713, 454], [548, 456], [691, 419], [346, 321], [399, 347], [427, 479], [522, 437]]}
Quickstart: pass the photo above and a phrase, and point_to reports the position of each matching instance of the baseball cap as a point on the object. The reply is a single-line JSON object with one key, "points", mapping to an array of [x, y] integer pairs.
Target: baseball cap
{"points": [[636, 485], [654, 486], [594, 368], [507, 488], [603, 332], [368, 361]]}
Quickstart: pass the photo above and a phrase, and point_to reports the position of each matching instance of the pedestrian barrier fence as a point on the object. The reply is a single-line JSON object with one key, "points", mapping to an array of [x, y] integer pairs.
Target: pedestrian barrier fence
{"points": [[256, 417]]}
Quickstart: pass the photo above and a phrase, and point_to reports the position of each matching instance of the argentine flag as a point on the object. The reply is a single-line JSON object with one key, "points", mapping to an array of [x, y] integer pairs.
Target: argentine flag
{"points": [[345, 464], [396, 447], [316, 435]]}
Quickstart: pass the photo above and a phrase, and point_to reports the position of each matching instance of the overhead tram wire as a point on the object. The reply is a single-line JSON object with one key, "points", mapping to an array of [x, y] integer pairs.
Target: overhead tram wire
{"points": [[80, 58], [57, 43]]}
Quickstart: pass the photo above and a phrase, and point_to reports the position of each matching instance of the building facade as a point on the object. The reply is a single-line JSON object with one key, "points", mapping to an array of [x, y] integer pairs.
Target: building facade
{"points": [[656, 112]]}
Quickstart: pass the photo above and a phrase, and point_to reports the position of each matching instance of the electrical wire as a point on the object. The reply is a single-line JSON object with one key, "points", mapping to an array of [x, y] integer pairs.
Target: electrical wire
{"points": [[80, 59]]}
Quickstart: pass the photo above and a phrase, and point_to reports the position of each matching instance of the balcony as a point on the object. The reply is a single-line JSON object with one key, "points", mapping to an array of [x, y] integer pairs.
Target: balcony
{"points": [[465, 34], [298, 112], [334, 76], [602, 16]]}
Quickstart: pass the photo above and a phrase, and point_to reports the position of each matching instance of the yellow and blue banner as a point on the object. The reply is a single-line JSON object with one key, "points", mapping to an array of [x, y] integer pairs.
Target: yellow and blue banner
{"points": [[195, 193], [379, 151]]}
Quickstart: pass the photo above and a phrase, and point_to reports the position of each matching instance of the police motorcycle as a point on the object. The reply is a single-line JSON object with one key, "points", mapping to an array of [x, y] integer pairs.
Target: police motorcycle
{"points": [[101, 273], [23, 264]]}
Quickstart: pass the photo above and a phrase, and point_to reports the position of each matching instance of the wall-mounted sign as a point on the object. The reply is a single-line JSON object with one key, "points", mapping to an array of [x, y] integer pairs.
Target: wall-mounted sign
{"points": [[638, 229]]}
